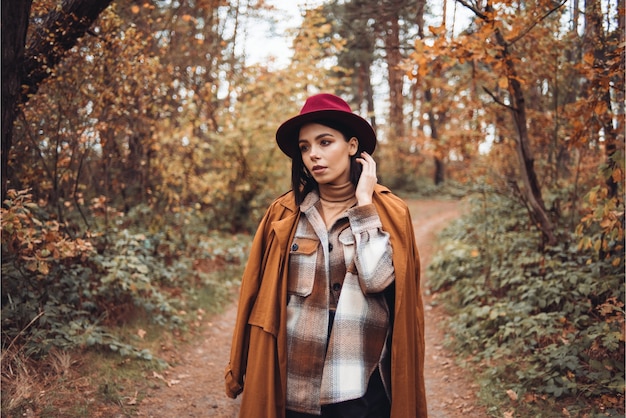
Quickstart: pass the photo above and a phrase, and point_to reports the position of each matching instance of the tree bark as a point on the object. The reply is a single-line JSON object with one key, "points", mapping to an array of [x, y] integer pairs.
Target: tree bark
{"points": [[439, 174], [391, 27], [14, 29], [25, 68]]}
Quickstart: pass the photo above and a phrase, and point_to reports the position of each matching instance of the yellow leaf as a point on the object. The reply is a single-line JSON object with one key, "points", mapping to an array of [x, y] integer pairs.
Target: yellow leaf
{"points": [[43, 267], [593, 197], [597, 245], [588, 58], [617, 175]]}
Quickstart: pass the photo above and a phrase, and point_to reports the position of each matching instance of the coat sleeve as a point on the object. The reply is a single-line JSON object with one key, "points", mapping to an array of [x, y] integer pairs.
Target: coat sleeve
{"points": [[408, 345], [250, 289], [250, 283]]}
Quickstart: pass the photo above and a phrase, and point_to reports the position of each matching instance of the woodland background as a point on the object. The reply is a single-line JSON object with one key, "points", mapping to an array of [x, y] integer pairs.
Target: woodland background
{"points": [[138, 155]]}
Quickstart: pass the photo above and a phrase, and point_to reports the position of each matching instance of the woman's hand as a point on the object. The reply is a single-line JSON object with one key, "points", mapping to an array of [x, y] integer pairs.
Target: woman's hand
{"points": [[367, 181]]}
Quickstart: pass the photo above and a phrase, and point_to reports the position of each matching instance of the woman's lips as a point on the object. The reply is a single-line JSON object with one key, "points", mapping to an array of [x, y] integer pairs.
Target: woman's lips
{"points": [[318, 169]]}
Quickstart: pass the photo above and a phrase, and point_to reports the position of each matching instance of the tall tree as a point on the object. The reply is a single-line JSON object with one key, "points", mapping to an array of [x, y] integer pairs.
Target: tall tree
{"points": [[378, 36], [14, 28], [25, 67], [389, 26], [515, 102], [602, 52], [352, 23]]}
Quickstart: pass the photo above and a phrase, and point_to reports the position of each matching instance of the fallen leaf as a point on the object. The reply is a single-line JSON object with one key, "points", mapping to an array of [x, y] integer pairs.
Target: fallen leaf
{"points": [[530, 397], [512, 394], [141, 333], [132, 400]]}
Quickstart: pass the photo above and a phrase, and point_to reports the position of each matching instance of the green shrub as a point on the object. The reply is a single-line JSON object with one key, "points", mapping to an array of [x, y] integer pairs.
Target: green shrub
{"points": [[58, 291], [548, 322]]}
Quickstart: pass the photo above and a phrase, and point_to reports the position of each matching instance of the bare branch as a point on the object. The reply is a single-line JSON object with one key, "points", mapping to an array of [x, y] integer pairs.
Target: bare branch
{"points": [[498, 101], [536, 22], [472, 8]]}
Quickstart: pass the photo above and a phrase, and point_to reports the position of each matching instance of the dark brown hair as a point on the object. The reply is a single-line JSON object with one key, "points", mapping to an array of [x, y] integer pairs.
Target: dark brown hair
{"points": [[301, 180]]}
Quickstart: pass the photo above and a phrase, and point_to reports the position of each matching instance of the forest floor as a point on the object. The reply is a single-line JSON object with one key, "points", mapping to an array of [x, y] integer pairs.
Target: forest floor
{"points": [[194, 387]]}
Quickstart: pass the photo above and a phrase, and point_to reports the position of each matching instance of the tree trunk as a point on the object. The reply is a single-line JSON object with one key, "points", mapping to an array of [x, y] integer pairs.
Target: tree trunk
{"points": [[391, 35], [439, 174], [369, 96], [14, 28]]}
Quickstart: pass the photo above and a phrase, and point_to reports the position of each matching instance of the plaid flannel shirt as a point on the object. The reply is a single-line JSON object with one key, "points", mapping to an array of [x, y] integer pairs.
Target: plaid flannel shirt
{"points": [[344, 269]]}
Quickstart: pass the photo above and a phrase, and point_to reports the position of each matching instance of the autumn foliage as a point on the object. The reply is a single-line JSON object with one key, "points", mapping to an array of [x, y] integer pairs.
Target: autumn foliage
{"points": [[535, 273], [141, 155]]}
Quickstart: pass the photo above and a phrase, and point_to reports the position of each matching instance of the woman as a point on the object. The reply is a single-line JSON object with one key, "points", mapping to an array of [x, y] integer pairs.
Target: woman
{"points": [[330, 317]]}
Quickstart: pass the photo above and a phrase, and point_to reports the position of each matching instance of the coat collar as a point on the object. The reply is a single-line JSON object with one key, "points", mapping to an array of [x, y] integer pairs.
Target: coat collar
{"points": [[284, 227]]}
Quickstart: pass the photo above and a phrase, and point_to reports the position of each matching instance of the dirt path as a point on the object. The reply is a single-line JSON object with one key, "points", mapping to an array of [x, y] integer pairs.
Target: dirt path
{"points": [[195, 386]]}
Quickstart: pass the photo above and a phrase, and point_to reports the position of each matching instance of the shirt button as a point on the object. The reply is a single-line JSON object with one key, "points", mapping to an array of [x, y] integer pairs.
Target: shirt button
{"points": [[294, 247], [330, 247], [336, 287]]}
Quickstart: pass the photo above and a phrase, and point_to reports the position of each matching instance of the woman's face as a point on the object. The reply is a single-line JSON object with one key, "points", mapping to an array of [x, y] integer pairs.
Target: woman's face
{"points": [[326, 153]]}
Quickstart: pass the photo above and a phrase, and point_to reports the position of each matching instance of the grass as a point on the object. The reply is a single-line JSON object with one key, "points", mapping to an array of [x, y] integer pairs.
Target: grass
{"points": [[92, 383], [76, 383]]}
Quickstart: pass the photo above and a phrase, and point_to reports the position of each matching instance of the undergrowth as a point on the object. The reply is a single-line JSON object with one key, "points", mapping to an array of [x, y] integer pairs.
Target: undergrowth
{"points": [[543, 326], [66, 297]]}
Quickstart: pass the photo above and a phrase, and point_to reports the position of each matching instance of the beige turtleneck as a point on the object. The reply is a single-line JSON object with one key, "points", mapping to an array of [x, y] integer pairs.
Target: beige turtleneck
{"points": [[335, 200]]}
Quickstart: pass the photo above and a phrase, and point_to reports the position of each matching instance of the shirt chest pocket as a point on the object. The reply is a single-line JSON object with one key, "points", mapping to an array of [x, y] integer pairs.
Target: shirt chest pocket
{"points": [[302, 265], [346, 238]]}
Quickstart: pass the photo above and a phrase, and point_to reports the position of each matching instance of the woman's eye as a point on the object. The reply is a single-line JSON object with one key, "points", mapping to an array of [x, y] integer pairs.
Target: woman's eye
{"points": [[304, 148], [325, 142]]}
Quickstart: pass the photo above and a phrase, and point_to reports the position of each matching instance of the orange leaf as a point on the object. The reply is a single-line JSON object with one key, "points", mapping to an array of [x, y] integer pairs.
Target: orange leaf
{"points": [[512, 395], [600, 108], [617, 175], [44, 268], [31, 266]]}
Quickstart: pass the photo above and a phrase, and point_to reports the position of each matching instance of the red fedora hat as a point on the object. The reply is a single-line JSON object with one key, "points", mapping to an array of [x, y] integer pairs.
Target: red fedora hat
{"points": [[322, 107]]}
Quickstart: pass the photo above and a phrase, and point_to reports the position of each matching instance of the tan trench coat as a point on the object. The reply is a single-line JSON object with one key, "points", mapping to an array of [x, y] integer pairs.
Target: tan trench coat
{"points": [[258, 354]]}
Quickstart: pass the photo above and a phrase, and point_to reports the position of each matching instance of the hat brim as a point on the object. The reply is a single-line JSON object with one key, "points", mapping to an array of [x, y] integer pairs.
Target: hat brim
{"points": [[287, 133]]}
